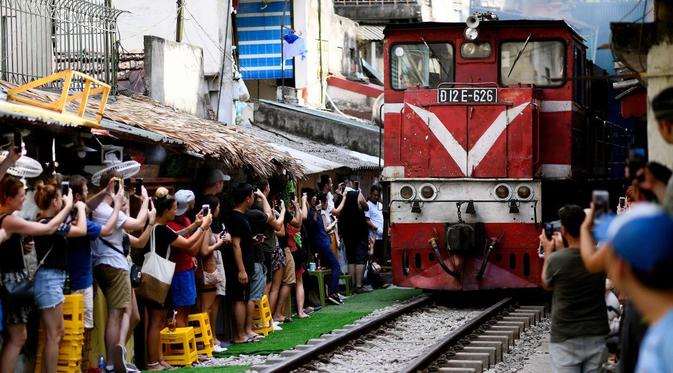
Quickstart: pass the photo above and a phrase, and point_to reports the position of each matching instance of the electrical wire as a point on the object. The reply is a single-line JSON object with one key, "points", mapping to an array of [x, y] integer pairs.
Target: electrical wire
{"points": [[630, 11]]}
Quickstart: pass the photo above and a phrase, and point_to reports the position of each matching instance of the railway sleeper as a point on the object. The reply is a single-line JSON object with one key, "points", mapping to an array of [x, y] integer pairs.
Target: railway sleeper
{"points": [[495, 338], [507, 328], [505, 333], [491, 351], [474, 364], [484, 357], [534, 316], [498, 346], [541, 309], [456, 370]]}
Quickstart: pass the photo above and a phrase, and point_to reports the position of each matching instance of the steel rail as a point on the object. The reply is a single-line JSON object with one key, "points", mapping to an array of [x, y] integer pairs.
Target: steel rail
{"points": [[432, 353], [302, 357]]}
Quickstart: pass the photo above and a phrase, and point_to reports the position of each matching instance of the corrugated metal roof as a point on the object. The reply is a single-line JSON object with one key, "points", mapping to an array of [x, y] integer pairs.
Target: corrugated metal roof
{"points": [[368, 32]]}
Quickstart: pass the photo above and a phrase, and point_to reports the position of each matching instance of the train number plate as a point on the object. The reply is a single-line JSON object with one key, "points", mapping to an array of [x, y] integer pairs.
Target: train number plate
{"points": [[467, 95]]}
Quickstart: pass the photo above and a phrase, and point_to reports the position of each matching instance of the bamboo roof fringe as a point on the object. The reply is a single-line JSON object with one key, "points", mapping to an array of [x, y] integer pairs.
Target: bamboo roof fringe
{"points": [[226, 144]]}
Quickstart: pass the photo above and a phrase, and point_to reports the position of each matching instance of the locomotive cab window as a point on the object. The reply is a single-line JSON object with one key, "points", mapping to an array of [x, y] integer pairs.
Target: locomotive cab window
{"points": [[470, 50], [422, 65], [535, 62]]}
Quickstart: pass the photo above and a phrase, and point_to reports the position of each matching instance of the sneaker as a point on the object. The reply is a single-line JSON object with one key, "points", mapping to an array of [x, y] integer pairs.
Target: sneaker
{"points": [[119, 355], [334, 299], [342, 298], [219, 349], [276, 326]]}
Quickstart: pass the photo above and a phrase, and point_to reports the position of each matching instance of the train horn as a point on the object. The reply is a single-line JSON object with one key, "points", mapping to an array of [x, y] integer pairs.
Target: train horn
{"points": [[472, 21]]}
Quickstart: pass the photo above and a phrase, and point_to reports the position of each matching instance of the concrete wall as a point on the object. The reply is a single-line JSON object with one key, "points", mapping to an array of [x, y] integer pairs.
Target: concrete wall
{"points": [[319, 126], [660, 76], [174, 75]]}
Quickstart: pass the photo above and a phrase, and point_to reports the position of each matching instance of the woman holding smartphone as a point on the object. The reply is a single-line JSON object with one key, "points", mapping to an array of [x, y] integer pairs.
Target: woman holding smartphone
{"points": [[52, 257], [12, 266], [210, 278], [165, 240]]}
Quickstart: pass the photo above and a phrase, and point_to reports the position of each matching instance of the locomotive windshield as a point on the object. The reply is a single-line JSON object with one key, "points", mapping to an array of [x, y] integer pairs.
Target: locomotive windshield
{"points": [[538, 64], [421, 65]]}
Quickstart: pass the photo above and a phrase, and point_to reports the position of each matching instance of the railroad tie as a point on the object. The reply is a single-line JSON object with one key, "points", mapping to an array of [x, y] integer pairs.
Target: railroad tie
{"points": [[457, 370]]}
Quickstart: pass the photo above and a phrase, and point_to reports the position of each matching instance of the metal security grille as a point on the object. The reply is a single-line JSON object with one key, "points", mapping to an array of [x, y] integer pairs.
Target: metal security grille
{"points": [[40, 37]]}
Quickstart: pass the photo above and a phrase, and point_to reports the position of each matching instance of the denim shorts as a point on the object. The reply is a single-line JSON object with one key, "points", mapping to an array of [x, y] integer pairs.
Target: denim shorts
{"points": [[257, 282], [48, 287], [183, 289]]}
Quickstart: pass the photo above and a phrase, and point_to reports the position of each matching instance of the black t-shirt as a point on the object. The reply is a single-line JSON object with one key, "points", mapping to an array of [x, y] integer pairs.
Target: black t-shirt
{"points": [[57, 243], [163, 238], [353, 223], [578, 299], [258, 225], [238, 226], [11, 252]]}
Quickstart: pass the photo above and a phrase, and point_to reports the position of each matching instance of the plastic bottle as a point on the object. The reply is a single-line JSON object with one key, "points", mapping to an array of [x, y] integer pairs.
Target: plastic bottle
{"points": [[101, 363]]}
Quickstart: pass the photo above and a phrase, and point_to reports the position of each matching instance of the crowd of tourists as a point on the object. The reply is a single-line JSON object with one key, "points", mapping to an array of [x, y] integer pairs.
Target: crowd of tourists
{"points": [[245, 245], [634, 250]]}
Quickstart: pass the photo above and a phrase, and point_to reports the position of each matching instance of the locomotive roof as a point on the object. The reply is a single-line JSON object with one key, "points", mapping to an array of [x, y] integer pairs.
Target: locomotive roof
{"points": [[484, 24]]}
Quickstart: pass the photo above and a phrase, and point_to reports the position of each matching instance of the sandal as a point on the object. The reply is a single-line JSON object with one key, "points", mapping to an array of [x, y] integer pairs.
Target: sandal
{"points": [[155, 367], [166, 365]]}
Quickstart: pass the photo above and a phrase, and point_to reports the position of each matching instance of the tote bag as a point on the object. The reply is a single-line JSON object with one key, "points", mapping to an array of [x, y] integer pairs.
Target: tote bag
{"points": [[157, 274]]}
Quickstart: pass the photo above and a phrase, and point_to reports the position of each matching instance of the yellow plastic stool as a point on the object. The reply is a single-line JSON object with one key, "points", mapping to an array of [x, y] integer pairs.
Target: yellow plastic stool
{"points": [[70, 347], [179, 347], [204, 335], [262, 321], [73, 313]]}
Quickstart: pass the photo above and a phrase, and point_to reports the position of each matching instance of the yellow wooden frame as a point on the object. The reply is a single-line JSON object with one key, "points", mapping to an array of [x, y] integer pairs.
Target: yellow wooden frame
{"points": [[59, 105]]}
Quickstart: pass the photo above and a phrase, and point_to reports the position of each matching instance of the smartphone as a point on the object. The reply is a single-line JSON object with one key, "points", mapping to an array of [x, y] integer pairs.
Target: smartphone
{"points": [[65, 187], [356, 184], [601, 201], [18, 141], [117, 185], [622, 202], [139, 186], [205, 209]]}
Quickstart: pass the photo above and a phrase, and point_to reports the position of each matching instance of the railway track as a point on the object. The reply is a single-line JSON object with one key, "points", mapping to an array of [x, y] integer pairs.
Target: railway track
{"points": [[418, 336]]}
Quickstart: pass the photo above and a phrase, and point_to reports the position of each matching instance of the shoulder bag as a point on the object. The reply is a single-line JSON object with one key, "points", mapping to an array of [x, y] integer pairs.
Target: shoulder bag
{"points": [[23, 291], [157, 274], [135, 269]]}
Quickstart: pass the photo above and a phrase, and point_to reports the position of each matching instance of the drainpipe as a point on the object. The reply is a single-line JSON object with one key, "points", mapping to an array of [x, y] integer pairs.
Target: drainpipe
{"points": [[322, 78], [178, 26]]}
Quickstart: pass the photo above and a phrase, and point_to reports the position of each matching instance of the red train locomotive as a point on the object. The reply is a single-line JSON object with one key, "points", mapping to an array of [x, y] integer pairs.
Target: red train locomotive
{"points": [[486, 134]]}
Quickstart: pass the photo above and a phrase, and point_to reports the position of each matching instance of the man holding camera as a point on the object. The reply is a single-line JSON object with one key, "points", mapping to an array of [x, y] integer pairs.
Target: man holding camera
{"points": [[579, 316]]}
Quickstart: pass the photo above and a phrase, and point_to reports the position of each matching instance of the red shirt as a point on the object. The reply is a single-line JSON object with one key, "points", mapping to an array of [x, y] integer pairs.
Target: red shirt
{"points": [[183, 262]]}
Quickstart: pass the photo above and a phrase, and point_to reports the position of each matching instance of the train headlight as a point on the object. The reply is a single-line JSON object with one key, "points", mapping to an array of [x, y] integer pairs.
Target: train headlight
{"points": [[524, 192], [407, 192], [471, 33], [502, 191], [428, 192]]}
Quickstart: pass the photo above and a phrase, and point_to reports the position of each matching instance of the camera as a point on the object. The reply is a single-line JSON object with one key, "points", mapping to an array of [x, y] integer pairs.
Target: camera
{"points": [[552, 227], [18, 140], [601, 201], [139, 186], [205, 209]]}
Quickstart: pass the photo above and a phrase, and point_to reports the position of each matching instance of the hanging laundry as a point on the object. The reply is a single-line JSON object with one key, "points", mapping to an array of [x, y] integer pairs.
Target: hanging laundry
{"points": [[293, 46]]}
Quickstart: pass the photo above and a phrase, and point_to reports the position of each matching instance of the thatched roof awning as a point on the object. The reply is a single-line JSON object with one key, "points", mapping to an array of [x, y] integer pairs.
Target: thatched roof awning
{"points": [[226, 144]]}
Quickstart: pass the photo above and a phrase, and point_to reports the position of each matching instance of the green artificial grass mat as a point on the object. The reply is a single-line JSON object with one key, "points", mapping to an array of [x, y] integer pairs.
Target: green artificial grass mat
{"points": [[299, 331], [222, 369]]}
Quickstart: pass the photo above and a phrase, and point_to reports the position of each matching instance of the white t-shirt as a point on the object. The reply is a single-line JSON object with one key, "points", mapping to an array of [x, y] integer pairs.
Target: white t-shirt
{"points": [[102, 253], [330, 202], [375, 214]]}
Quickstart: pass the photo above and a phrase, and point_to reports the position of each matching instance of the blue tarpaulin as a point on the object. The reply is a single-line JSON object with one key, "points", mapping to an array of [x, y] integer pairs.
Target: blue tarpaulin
{"points": [[259, 27]]}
